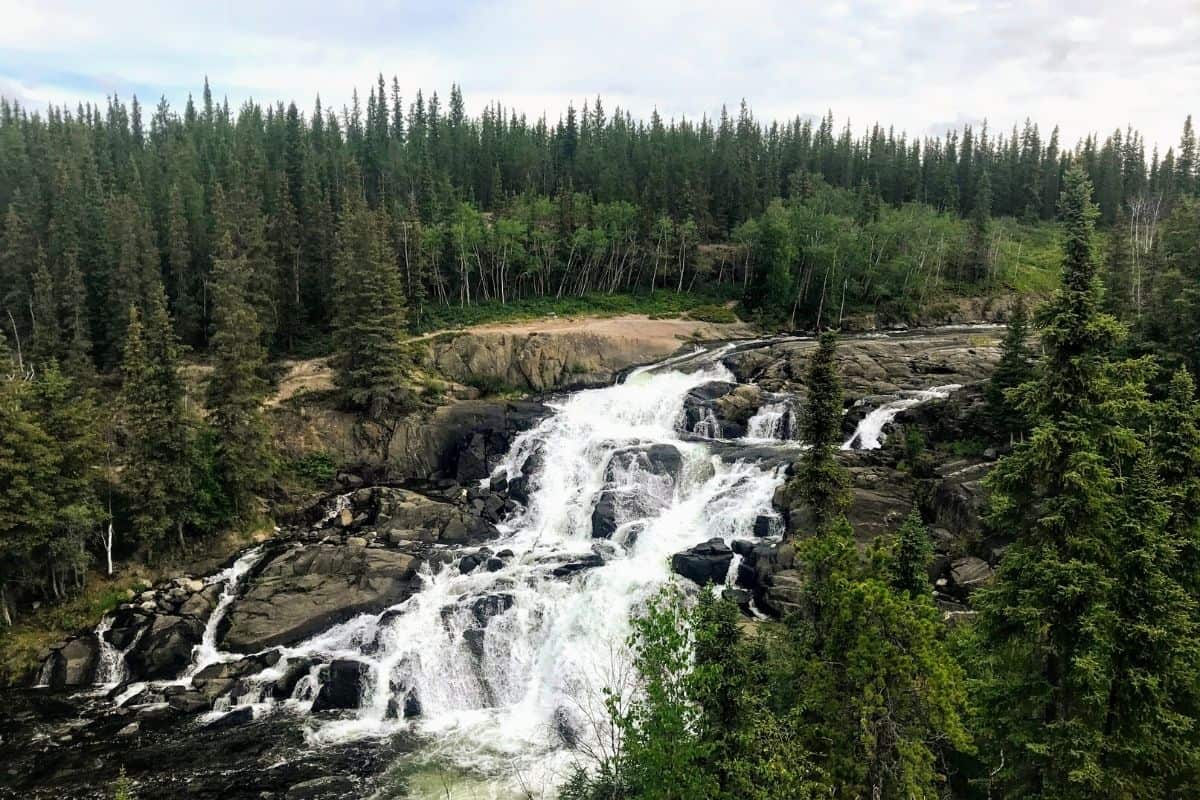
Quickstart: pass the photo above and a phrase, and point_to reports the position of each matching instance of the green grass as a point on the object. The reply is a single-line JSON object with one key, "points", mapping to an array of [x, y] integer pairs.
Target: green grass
{"points": [[661, 303], [713, 313]]}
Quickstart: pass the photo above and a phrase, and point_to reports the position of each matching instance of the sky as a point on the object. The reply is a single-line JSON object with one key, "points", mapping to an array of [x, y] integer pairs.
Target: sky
{"points": [[920, 65]]}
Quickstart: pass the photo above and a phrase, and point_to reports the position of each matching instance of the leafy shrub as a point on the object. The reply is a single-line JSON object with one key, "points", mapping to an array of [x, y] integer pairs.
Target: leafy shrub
{"points": [[713, 313]]}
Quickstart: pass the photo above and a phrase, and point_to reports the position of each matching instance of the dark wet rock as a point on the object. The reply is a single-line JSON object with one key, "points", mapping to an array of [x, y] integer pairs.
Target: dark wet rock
{"points": [[128, 621], [742, 547], [491, 605], [656, 459], [960, 500], [165, 649], [220, 678], [604, 515], [73, 663], [766, 525], [342, 684], [741, 597], [232, 719], [572, 567], [328, 787], [304, 590], [189, 702], [285, 685], [705, 563]]}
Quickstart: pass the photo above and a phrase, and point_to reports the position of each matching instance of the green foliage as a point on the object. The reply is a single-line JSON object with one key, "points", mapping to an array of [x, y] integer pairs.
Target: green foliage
{"points": [[1014, 369], [695, 723], [1086, 636], [236, 387], [712, 313], [155, 478], [866, 666], [370, 319], [820, 481], [317, 468], [911, 557], [123, 788]]}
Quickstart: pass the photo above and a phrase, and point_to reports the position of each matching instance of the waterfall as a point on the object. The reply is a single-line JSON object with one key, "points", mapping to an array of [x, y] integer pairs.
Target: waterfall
{"points": [[110, 662], [500, 661], [869, 433], [207, 652], [709, 427], [774, 422]]}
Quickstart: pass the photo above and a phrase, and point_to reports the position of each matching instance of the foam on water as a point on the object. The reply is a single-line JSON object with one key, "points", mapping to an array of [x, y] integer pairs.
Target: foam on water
{"points": [[494, 696], [869, 433]]}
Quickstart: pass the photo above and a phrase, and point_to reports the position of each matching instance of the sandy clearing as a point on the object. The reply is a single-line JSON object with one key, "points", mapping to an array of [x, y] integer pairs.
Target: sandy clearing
{"points": [[658, 333]]}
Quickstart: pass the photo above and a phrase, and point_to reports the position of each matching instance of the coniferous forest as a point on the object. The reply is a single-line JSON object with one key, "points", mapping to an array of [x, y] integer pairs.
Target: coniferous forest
{"points": [[141, 247]]}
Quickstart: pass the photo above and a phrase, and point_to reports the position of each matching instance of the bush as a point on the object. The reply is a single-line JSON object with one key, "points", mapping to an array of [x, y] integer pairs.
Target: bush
{"points": [[713, 313]]}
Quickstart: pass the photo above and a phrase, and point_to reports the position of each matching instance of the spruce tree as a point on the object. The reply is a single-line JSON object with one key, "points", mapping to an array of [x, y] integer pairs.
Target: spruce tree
{"points": [[44, 342], [820, 481], [1177, 449], [180, 277], [67, 413], [979, 255], [236, 388], [879, 699], [155, 478], [911, 557], [1014, 369], [369, 314], [28, 469], [1058, 629], [76, 332]]}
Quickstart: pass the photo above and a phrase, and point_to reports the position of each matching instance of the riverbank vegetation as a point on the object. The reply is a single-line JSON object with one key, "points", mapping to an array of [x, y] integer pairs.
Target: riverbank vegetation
{"points": [[1077, 675]]}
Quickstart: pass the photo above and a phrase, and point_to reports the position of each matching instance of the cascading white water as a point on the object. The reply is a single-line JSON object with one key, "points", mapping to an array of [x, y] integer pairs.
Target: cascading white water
{"points": [[869, 433], [230, 579], [110, 662], [771, 422], [499, 661], [709, 427]]}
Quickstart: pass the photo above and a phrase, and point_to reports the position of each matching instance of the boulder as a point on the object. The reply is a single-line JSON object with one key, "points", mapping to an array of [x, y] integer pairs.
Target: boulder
{"points": [[189, 702], [785, 594], [705, 563], [403, 515], [604, 515], [201, 603], [656, 459], [571, 567], [220, 678], [304, 590], [74, 663], [285, 685], [165, 649], [342, 684], [969, 573]]}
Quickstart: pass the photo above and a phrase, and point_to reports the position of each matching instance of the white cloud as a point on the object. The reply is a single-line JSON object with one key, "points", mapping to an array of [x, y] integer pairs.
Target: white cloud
{"points": [[1091, 66]]}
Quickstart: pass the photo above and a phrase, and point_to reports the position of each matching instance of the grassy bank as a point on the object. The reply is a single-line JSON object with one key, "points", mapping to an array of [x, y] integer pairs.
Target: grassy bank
{"points": [[596, 304]]}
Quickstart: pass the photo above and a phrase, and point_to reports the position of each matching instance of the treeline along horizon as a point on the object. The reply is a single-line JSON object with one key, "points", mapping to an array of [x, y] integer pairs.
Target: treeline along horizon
{"points": [[104, 202]]}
